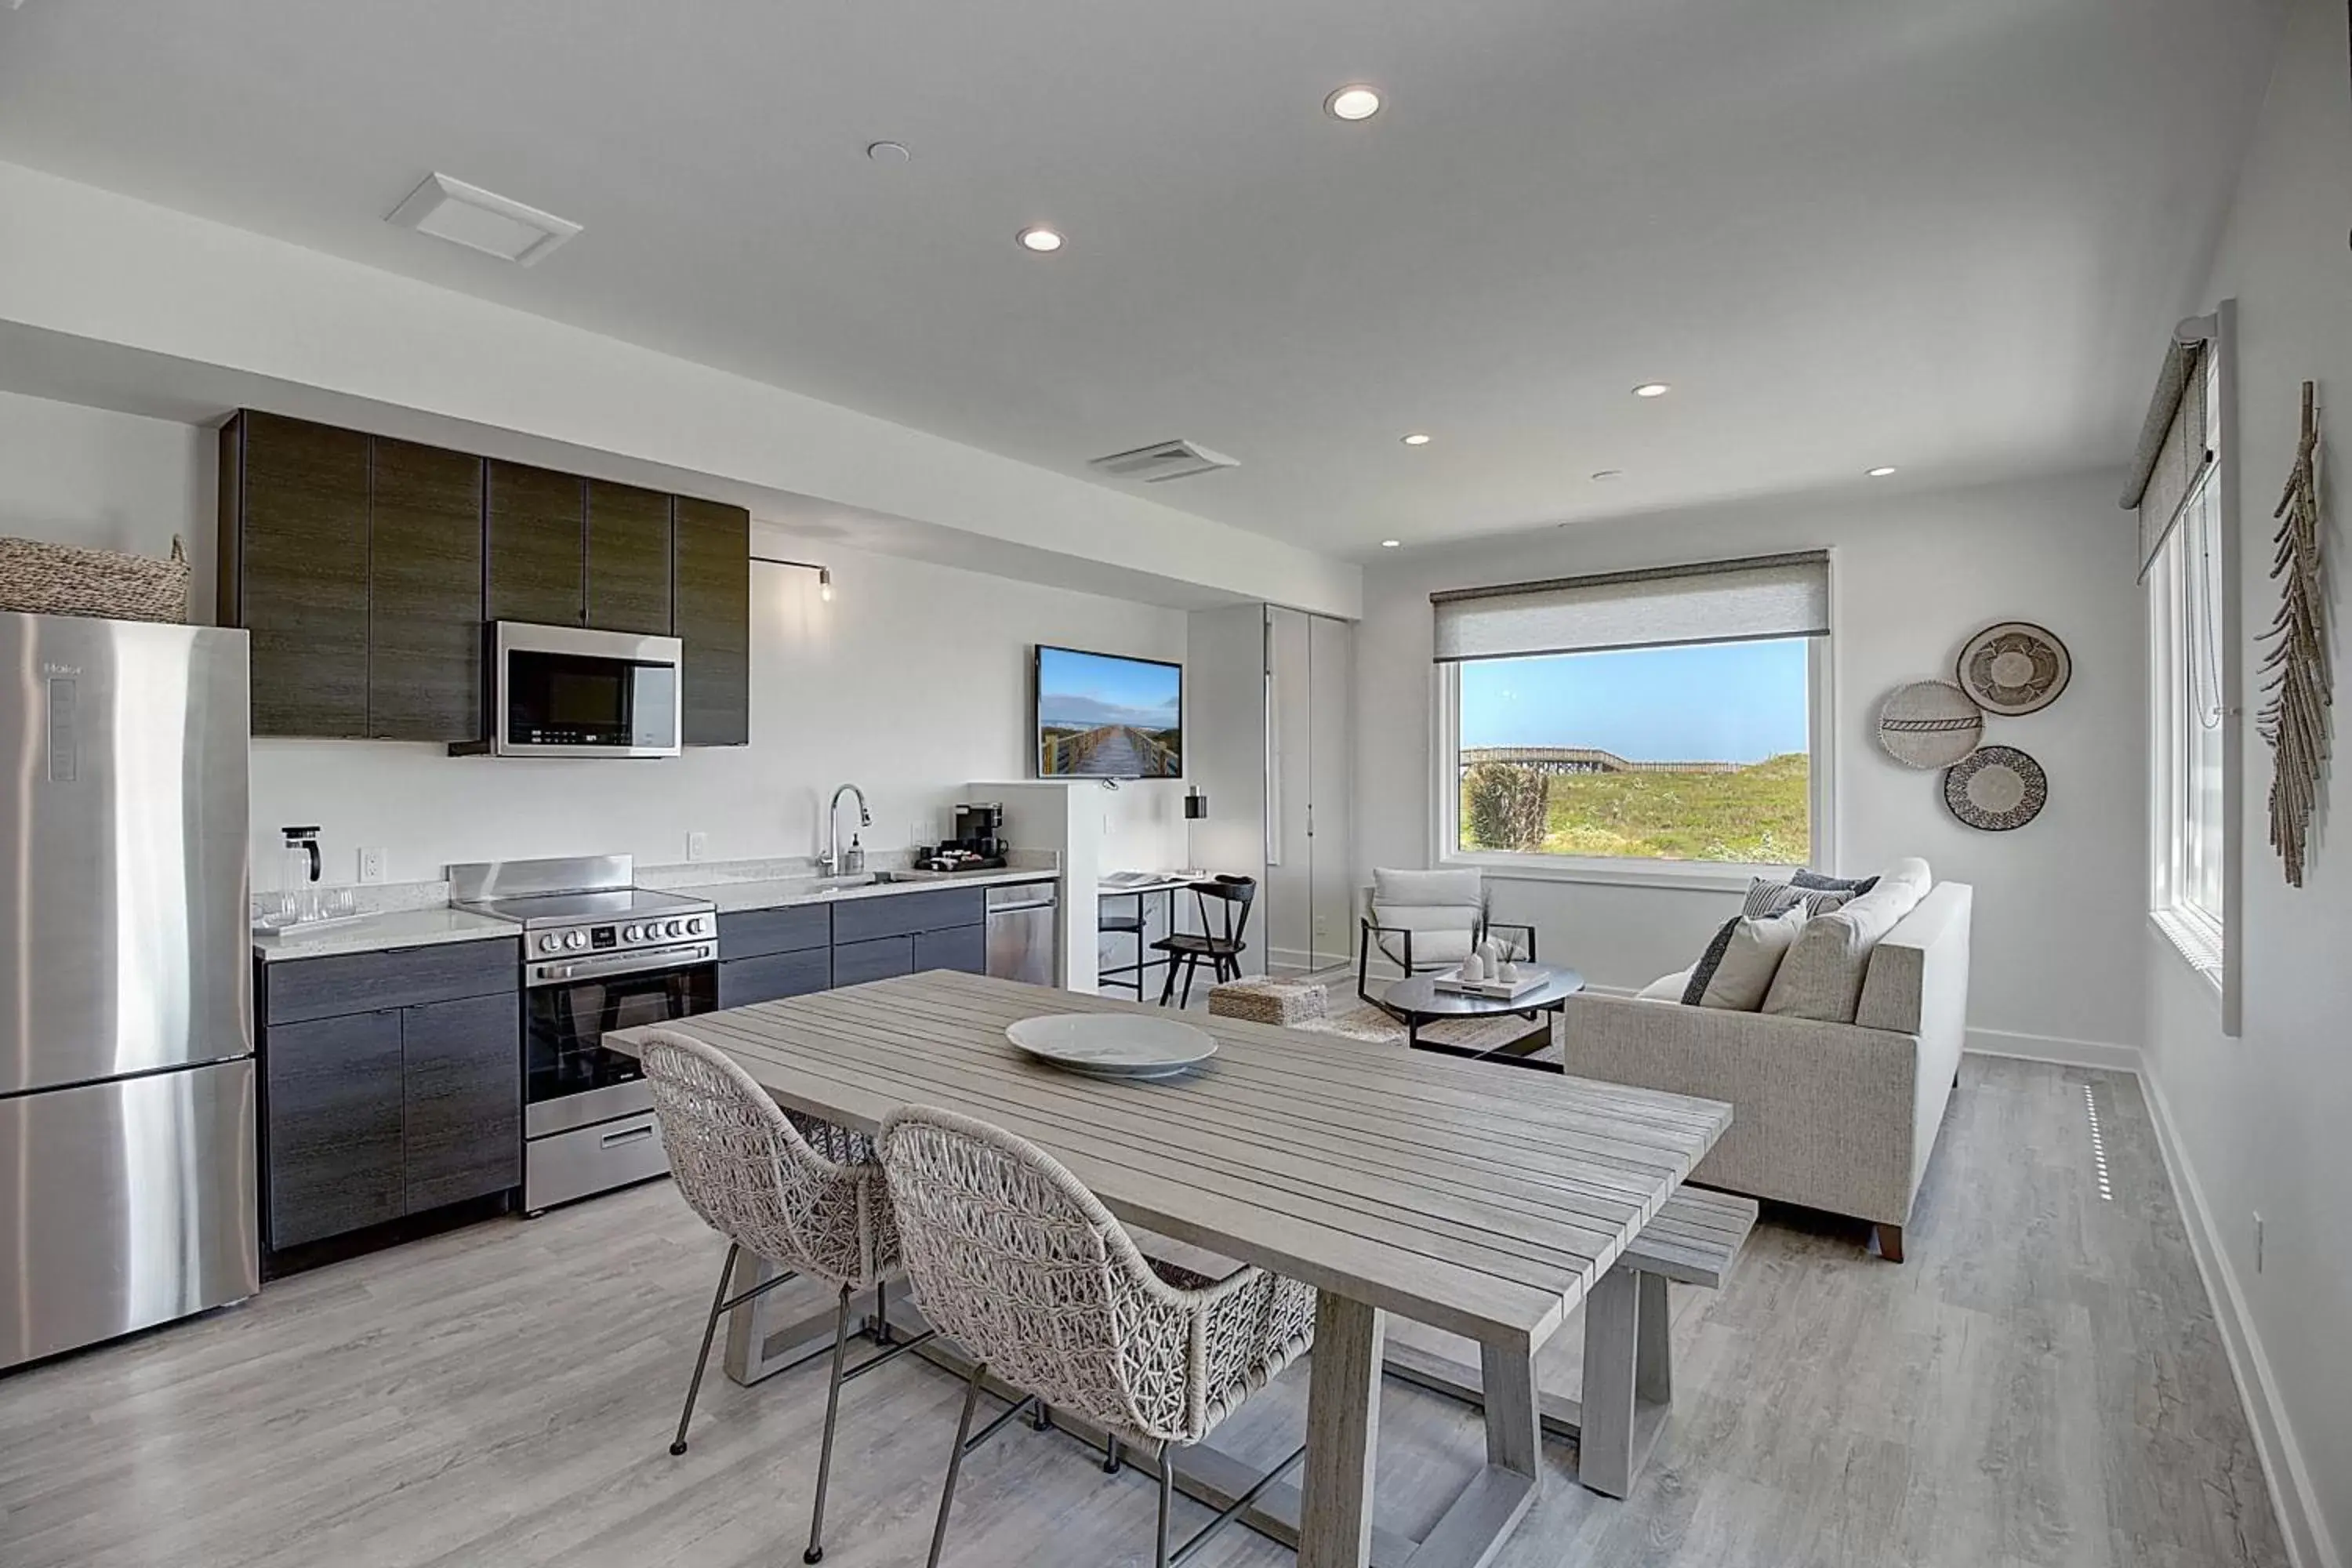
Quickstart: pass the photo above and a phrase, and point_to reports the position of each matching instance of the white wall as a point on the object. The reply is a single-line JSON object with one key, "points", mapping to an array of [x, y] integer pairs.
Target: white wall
{"points": [[2059, 907], [2261, 1120], [912, 680]]}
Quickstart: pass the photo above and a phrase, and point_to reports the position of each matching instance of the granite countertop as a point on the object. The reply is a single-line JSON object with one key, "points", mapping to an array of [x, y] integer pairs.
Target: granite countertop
{"points": [[737, 897], [376, 933]]}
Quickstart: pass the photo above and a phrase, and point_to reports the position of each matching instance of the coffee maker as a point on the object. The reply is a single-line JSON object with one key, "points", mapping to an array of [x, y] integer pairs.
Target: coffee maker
{"points": [[980, 830]]}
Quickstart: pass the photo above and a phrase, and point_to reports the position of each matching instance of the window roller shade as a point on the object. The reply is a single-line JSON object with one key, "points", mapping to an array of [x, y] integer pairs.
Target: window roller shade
{"points": [[1729, 601], [2170, 472]]}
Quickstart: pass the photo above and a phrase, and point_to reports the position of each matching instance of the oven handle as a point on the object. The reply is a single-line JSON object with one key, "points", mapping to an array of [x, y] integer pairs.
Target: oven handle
{"points": [[636, 1134], [602, 967]]}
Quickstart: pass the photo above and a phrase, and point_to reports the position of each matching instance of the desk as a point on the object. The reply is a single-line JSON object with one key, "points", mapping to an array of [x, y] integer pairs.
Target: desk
{"points": [[1486, 1203], [1165, 888]]}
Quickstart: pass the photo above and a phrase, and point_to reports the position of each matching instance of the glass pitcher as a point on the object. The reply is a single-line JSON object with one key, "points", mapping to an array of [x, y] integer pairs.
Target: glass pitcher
{"points": [[298, 874]]}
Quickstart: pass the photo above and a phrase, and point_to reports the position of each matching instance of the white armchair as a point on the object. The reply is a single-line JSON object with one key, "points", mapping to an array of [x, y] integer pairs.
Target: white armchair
{"points": [[1423, 921]]}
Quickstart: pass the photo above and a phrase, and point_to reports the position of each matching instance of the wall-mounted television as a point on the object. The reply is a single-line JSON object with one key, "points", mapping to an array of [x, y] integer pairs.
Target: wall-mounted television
{"points": [[1102, 716]]}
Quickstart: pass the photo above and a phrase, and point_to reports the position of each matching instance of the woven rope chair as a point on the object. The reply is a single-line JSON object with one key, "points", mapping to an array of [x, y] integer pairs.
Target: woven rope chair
{"points": [[803, 1194], [1010, 1255]]}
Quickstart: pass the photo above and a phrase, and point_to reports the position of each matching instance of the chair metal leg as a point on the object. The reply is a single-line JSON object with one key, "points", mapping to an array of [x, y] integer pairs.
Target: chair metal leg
{"points": [[1110, 1455], [1167, 1494], [881, 1328], [717, 1307], [815, 1552], [955, 1461]]}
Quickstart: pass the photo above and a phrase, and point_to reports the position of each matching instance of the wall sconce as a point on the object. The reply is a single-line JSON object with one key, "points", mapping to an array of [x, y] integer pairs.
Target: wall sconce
{"points": [[823, 573]]}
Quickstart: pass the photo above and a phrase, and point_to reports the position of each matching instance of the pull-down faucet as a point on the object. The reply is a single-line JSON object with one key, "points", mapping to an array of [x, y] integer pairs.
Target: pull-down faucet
{"points": [[829, 863]]}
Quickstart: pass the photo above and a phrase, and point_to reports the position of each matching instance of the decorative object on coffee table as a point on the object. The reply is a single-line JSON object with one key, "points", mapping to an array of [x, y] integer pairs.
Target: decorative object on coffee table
{"points": [[2014, 668], [1930, 724], [1996, 788], [2295, 667]]}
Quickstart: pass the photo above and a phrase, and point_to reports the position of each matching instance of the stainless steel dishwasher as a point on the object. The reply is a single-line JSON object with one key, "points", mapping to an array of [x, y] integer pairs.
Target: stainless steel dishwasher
{"points": [[1023, 940]]}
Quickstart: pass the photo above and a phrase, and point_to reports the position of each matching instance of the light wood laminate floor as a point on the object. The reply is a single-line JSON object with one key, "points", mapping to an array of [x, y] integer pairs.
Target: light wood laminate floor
{"points": [[2042, 1383]]}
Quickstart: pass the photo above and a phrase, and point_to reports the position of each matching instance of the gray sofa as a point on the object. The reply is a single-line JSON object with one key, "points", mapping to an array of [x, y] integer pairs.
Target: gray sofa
{"points": [[1840, 1117]]}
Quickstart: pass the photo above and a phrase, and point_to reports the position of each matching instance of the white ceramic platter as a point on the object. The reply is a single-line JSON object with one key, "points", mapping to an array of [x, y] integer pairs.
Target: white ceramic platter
{"points": [[1113, 1045]]}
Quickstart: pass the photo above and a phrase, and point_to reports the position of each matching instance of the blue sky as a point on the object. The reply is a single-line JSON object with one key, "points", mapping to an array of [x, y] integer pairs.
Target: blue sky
{"points": [[1725, 702], [1092, 688]]}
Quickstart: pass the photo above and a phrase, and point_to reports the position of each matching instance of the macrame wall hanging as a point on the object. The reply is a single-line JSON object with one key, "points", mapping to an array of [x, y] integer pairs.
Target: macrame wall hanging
{"points": [[2293, 717]]}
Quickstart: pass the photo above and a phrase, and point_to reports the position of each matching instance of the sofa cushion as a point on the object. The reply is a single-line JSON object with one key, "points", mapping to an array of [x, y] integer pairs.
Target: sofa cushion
{"points": [[1442, 908], [1821, 977], [1737, 970], [1767, 899], [1815, 880], [1666, 988]]}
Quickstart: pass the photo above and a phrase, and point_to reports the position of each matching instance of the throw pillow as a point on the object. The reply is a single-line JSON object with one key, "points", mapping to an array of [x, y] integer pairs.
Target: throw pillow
{"points": [[1767, 899], [1832, 884], [1821, 977], [1737, 970]]}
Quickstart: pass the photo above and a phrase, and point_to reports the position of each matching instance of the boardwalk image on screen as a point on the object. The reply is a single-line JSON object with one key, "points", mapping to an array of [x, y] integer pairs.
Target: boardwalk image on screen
{"points": [[1102, 717]]}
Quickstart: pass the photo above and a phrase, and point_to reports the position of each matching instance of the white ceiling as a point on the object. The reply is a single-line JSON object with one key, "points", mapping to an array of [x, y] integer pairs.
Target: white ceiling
{"points": [[1947, 235]]}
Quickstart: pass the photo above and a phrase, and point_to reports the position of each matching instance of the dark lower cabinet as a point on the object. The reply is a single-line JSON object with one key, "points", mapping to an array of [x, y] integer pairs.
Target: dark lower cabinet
{"points": [[461, 1086], [335, 1126], [856, 962], [370, 1116], [963, 947], [773, 976]]}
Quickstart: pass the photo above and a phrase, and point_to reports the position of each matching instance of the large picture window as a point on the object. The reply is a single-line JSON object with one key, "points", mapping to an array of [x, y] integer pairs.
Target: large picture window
{"points": [[1637, 722]]}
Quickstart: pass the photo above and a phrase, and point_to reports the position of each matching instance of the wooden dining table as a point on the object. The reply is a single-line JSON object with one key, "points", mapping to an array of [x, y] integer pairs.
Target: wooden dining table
{"points": [[1481, 1201]]}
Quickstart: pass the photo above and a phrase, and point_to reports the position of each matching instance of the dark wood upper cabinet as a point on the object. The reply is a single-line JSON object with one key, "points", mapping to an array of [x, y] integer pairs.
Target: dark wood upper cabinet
{"points": [[424, 682], [365, 568], [294, 570], [538, 545], [714, 621], [628, 559]]}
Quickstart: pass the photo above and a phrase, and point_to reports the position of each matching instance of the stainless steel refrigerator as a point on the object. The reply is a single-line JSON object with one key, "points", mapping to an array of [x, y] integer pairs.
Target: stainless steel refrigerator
{"points": [[126, 1021]]}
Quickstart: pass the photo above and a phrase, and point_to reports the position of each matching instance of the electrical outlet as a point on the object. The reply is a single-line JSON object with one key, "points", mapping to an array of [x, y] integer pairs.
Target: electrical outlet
{"points": [[372, 866], [2258, 1243], [698, 844]]}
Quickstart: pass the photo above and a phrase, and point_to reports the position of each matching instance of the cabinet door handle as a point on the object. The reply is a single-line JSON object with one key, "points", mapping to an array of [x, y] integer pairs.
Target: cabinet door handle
{"points": [[626, 1135]]}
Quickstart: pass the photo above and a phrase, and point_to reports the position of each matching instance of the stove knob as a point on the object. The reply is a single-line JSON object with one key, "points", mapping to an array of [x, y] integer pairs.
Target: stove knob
{"points": [[696, 927], [575, 938], [629, 933], [675, 928], [550, 942]]}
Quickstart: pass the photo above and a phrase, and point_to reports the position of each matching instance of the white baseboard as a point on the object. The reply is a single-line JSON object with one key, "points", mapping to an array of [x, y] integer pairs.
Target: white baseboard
{"points": [[2293, 1496], [2056, 1049]]}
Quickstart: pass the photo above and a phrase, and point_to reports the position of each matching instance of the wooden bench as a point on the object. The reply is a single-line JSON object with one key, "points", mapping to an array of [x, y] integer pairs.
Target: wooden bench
{"points": [[1628, 1357]]}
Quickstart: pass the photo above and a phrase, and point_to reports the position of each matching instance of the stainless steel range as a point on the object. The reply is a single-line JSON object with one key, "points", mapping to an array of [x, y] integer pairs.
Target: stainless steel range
{"points": [[599, 953]]}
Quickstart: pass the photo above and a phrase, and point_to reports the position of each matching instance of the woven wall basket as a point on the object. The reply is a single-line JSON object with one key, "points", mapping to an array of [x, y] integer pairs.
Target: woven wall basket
{"points": [[41, 579]]}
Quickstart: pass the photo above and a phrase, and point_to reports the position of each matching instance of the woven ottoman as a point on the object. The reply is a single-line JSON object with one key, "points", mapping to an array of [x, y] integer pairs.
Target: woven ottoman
{"points": [[1268, 1001]]}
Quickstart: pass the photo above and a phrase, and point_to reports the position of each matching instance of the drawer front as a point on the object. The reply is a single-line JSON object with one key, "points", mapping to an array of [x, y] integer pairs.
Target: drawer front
{"points": [[591, 1160], [904, 914], [964, 948], [301, 988], [856, 962], [756, 932], [773, 976]]}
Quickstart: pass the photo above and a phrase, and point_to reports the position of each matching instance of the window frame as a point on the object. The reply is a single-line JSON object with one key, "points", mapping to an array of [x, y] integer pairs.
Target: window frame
{"points": [[2205, 941], [1710, 876]]}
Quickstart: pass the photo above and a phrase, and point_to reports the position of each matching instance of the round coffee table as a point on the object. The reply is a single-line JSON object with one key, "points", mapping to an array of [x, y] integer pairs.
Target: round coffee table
{"points": [[1419, 1001]]}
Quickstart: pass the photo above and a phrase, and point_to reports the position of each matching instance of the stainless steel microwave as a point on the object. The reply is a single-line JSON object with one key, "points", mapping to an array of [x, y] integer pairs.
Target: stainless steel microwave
{"points": [[567, 691]]}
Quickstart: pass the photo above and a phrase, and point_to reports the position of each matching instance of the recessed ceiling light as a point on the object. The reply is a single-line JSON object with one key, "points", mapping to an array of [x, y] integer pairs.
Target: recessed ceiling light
{"points": [[1038, 238], [1416, 440], [1651, 389], [1354, 102], [1881, 471], [1390, 543], [890, 153], [1604, 475]]}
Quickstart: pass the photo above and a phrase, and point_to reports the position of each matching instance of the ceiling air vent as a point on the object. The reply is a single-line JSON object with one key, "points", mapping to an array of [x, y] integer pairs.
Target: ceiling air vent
{"points": [[1163, 460], [482, 220]]}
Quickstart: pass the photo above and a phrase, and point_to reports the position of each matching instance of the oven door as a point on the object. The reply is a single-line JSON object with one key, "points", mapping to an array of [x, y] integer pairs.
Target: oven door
{"points": [[565, 691], [571, 1079]]}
